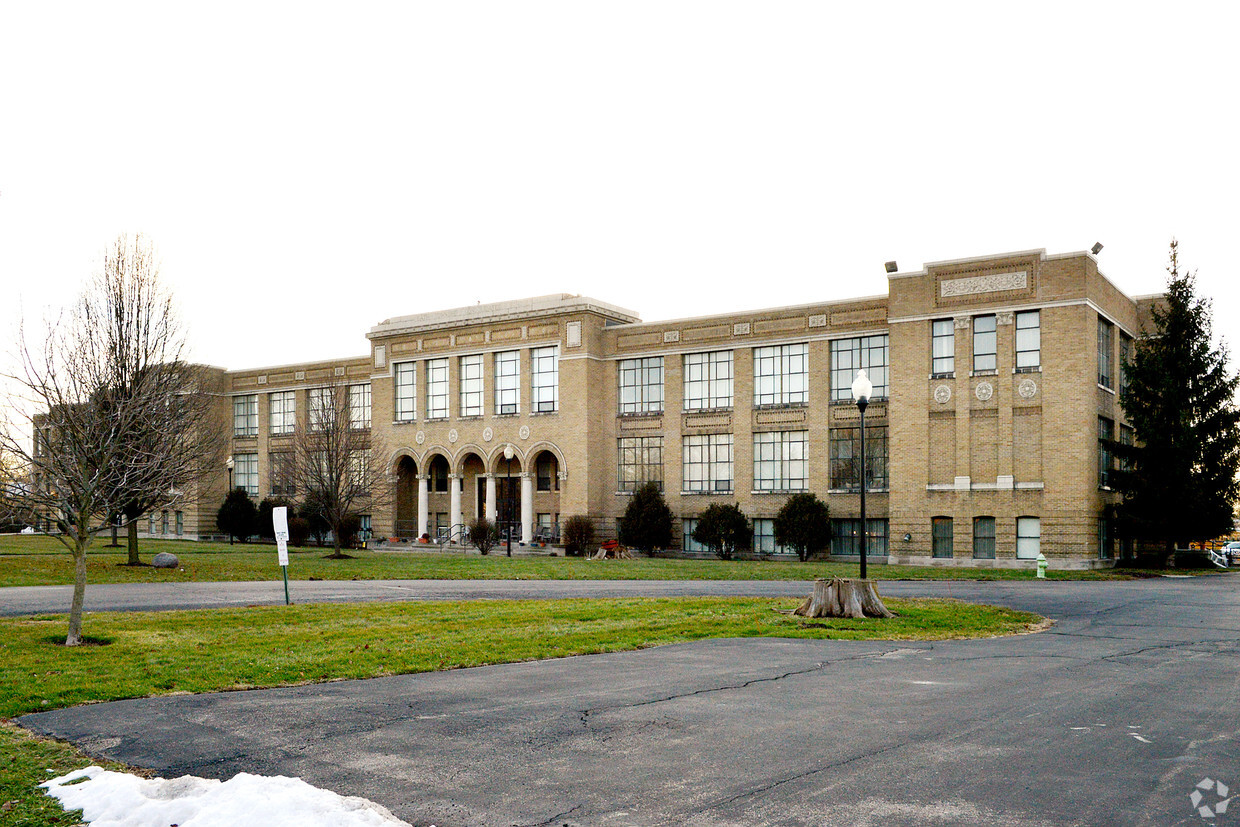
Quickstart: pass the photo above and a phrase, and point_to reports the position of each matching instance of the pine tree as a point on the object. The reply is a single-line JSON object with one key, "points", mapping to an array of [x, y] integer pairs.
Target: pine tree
{"points": [[647, 521], [1179, 480]]}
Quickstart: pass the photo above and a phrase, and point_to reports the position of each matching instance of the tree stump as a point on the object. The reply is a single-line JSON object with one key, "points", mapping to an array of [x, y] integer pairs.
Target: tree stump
{"points": [[842, 597]]}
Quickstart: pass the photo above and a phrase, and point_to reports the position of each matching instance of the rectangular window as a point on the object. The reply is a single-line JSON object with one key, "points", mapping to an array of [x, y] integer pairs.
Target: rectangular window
{"points": [[1028, 538], [359, 406], [1106, 542], [471, 385], [546, 471], [985, 344], [781, 375], [545, 379], [437, 388], [984, 538], [1106, 433], [245, 415], [846, 538], [1125, 438], [640, 460], [406, 391], [283, 412], [359, 470], [439, 477], [708, 380], [1105, 371], [941, 539], [781, 461], [150, 523], [364, 530], [180, 518], [322, 408], [764, 538], [868, 353], [1028, 341], [279, 466], [245, 473], [508, 382], [942, 348], [707, 463], [641, 385], [163, 522], [1125, 358], [687, 541], [845, 446]]}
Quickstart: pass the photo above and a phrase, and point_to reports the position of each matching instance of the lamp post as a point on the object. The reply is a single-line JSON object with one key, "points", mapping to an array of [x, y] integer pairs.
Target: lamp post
{"points": [[508, 452], [228, 463], [861, 390]]}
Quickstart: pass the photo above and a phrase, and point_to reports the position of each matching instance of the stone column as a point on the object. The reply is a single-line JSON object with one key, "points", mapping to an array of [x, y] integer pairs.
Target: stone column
{"points": [[527, 507], [490, 503], [424, 504], [454, 486]]}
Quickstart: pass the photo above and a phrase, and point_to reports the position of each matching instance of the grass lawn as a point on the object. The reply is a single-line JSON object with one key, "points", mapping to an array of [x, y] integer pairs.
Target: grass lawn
{"points": [[39, 561], [156, 653]]}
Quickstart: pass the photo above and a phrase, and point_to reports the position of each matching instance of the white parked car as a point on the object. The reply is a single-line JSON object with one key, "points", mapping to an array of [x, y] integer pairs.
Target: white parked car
{"points": [[1232, 550], [28, 530]]}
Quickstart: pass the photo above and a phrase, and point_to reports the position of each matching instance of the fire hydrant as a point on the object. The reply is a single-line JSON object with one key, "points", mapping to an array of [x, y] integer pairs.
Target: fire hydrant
{"points": [[1041, 566]]}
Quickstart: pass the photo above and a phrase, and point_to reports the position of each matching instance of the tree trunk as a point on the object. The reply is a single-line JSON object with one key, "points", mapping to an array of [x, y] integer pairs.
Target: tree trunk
{"points": [[133, 543], [74, 638], [840, 597]]}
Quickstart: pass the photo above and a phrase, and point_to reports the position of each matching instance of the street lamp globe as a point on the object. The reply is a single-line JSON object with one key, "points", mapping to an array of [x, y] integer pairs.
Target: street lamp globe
{"points": [[862, 387], [508, 452]]}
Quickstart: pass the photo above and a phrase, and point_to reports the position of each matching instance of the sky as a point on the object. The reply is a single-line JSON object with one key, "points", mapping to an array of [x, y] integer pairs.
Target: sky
{"points": [[307, 170]]}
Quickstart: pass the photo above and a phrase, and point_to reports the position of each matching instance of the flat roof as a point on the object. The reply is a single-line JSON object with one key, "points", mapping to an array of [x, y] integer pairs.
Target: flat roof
{"points": [[500, 311]]}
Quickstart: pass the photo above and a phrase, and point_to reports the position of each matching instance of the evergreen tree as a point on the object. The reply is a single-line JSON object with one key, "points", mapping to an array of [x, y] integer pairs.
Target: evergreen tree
{"points": [[238, 515], [724, 529], [803, 524], [647, 521], [1179, 480]]}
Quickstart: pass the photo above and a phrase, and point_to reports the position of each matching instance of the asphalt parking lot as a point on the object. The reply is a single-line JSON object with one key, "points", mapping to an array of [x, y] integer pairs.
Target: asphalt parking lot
{"points": [[1114, 716]]}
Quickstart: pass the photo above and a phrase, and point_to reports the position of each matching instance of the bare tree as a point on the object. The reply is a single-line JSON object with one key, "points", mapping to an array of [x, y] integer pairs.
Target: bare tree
{"points": [[106, 413], [335, 463]]}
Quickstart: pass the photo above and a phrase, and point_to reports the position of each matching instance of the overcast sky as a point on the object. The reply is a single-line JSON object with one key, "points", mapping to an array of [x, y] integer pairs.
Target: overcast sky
{"points": [[307, 170]]}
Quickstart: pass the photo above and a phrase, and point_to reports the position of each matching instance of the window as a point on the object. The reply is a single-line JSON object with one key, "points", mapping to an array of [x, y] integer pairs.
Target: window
{"points": [[985, 344], [780, 461], [846, 538], [545, 472], [708, 380], [245, 473], [688, 543], [150, 523], [1106, 433], [942, 348], [322, 408], [1106, 541], [1125, 438], [180, 518], [707, 463], [359, 470], [163, 522], [1104, 352], [984, 538], [1125, 357], [641, 385], [1028, 341], [245, 415], [764, 538], [848, 356], [437, 389], [439, 475], [545, 378], [364, 531], [471, 385], [283, 412], [1028, 538], [279, 464], [845, 453], [941, 537], [406, 391], [640, 460], [781, 375], [359, 406], [508, 382]]}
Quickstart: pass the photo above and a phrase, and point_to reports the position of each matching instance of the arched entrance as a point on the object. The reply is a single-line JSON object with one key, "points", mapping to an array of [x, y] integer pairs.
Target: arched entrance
{"points": [[406, 498], [512, 495], [546, 469]]}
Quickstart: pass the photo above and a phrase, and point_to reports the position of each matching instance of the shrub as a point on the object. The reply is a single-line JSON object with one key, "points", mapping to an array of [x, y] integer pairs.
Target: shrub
{"points": [[313, 510], [350, 525], [647, 521], [724, 529], [578, 535], [237, 515], [264, 527], [484, 534], [298, 531], [803, 525]]}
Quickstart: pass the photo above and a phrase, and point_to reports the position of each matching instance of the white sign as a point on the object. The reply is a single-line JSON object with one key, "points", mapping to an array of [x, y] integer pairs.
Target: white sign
{"points": [[279, 520]]}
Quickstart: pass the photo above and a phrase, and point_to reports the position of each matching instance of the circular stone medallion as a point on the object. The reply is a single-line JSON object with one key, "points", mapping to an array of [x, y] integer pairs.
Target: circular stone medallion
{"points": [[487, 434], [453, 436], [524, 433], [420, 437], [1027, 388], [942, 394], [985, 390]]}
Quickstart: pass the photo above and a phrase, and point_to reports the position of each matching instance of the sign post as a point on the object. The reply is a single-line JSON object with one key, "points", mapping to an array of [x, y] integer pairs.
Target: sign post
{"points": [[279, 519]]}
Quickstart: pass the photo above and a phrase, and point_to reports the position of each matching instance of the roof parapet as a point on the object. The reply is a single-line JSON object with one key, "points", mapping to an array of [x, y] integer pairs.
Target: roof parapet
{"points": [[555, 303]]}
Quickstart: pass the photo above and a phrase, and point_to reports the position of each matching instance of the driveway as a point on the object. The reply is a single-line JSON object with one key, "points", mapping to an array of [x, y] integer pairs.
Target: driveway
{"points": [[1112, 717]]}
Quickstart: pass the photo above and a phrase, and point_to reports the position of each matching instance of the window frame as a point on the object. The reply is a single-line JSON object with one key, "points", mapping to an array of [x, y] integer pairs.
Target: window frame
{"points": [[942, 365], [1028, 358], [245, 415], [644, 456], [706, 387], [708, 463], [1028, 545], [281, 417], [405, 391], [438, 388], [781, 375], [471, 385], [245, 473], [776, 456], [942, 540], [984, 542], [985, 338], [869, 353], [360, 406], [639, 385], [877, 459], [320, 413], [1106, 457], [544, 380], [507, 382], [1106, 367]]}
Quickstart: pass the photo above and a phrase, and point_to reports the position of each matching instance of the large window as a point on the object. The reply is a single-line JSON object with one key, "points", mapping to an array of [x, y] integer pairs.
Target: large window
{"points": [[1126, 435], [985, 344], [868, 353], [437, 389], [941, 538], [471, 385], [707, 463], [508, 382], [359, 405], [245, 415], [1105, 368], [984, 538], [322, 408], [406, 391], [1028, 341], [1125, 358], [545, 378], [641, 385], [283, 412], [245, 473], [640, 461], [764, 537], [1106, 433], [846, 453], [942, 348], [781, 375], [708, 380], [280, 471], [546, 472], [781, 461], [846, 538], [689, 525], [1028, 537]]}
